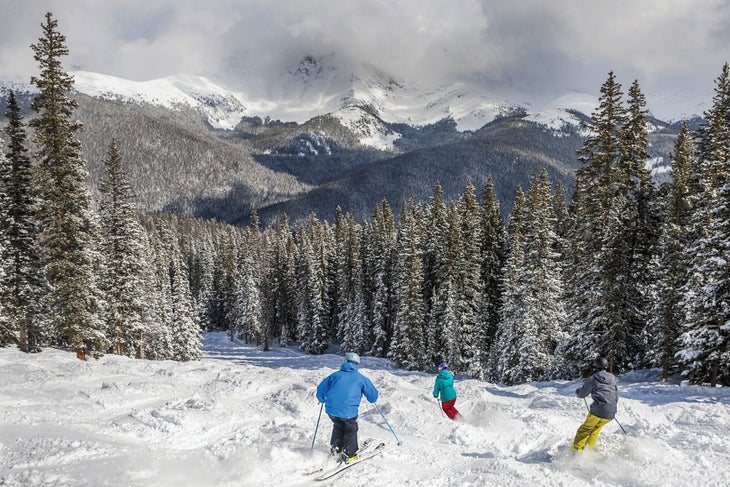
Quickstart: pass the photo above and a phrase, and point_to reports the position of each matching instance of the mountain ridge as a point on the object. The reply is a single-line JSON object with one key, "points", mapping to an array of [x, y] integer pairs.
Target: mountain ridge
{"points": [[196, 147]]}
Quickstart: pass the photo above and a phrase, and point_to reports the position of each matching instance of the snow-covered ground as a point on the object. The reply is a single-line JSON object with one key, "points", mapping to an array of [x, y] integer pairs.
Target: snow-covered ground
{"points": [[242, 417]]}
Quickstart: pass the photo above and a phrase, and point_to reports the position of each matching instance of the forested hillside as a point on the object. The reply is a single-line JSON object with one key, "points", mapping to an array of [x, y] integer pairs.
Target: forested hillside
{"points": [[609, 263]]}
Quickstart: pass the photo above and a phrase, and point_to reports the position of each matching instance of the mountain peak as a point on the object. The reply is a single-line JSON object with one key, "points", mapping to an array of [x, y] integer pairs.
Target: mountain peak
{"points": [[360, 95]]}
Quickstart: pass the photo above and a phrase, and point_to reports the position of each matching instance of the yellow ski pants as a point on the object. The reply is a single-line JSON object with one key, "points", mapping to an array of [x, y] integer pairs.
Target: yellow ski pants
{"points": [[587, 433]]}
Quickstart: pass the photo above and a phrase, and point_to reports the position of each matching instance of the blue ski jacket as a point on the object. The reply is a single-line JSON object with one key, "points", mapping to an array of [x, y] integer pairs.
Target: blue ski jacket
{"points": [[604, 392], [341, 391], [444, 386]]}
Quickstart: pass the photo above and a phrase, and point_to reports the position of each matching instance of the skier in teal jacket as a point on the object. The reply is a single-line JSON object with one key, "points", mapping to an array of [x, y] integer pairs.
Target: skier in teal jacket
{"points": [[444, 387]]}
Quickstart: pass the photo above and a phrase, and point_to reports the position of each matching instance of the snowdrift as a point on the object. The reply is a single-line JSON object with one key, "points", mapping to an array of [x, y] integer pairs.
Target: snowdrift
{"points": [[242, 417]]}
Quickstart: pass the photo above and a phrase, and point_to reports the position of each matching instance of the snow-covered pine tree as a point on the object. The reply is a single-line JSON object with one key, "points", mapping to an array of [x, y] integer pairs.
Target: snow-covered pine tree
{"points": [[67, 226], [704, 343], [492, 248], [335, 295], [504, 356], [248, 310], [157, 343], [408, 349], [201, 268], [184, 329], [562, 218], [671, 263], [311, 270], [588, 279], [282, 299], [633, 237], [22, 281], [354, 329], [8, 331], [383, 261], [123, 252], [446, 306], [470, 288], [435, 271], [544, 281], [533, 316]]}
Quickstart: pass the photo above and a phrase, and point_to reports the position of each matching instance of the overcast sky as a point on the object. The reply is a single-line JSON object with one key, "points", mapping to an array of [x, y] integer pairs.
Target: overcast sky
{"points": [[539, 48]]}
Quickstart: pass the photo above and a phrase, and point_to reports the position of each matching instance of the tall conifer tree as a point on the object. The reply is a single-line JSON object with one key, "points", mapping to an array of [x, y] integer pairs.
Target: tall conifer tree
{"points": [[122, 247], [23, 283], [68, 230], [672, 262]]}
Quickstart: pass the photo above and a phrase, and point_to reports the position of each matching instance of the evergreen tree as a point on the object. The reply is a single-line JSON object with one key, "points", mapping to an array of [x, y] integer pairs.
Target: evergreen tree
{"points": [[311, 283], [248, 309], [8, 333], [470, 287], [354, 329], [592, 280], [632, 237], [408, 349], [22, 283], [122, 248], [704, 340], [67, 227], [383, 261], [157, 343], [672, 261], [446, 308], [533, 317], [504, 355], [283, 282], [492, 249], [436, 274], [247, 313], [184, 330]]}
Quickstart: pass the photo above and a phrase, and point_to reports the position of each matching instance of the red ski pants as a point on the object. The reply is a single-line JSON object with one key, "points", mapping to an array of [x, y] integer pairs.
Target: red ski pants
{"points": [[449, 409]]}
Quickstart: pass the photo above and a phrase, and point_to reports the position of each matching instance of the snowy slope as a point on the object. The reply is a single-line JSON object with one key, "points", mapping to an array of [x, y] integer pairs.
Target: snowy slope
{"points": [[557, 114], [223, 108], [242, 417]]}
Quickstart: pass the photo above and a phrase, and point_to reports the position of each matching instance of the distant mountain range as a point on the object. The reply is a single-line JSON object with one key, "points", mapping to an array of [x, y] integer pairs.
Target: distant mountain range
{"points": [[321, 136]]}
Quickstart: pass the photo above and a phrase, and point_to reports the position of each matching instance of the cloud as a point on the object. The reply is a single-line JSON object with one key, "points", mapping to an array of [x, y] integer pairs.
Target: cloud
{"points": [[532, 48]]}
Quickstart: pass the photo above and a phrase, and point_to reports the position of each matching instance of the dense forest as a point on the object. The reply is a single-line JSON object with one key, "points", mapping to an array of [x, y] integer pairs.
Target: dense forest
{"points": [[627, 269]]}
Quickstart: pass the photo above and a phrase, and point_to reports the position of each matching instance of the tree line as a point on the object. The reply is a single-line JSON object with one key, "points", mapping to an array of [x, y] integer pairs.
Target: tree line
{"points": [[626, 269]]}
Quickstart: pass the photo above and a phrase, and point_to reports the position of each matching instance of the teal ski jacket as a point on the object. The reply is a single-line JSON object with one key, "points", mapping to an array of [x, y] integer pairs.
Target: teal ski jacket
{"points": [[444, 386]]}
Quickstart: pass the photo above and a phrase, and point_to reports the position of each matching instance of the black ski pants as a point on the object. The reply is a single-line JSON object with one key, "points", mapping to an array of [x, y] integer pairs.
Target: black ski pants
{"points": [[344, 435]]}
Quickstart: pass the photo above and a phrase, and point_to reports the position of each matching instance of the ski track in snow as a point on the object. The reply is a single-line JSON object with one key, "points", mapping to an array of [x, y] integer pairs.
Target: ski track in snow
{"points": [[243, 417]]}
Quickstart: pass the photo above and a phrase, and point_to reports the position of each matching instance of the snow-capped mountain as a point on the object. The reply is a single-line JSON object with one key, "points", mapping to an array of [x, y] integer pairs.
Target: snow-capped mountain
{"points": [[364, 99], [223, 108]]}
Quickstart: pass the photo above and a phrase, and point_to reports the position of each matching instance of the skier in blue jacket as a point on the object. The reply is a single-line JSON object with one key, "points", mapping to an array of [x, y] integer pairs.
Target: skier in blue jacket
{"points": [[341, 393]]}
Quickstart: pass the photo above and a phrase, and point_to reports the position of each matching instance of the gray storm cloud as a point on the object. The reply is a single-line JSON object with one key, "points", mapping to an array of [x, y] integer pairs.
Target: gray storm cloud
{"points": [[535, 48]]}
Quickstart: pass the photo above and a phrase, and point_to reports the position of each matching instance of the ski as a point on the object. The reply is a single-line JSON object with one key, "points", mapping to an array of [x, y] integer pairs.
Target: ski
{"points": [[364, 456], [364, 447]]}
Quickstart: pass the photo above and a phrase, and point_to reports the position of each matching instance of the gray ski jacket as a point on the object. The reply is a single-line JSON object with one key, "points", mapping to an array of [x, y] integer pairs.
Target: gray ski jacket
{"points": [[602, 388]]}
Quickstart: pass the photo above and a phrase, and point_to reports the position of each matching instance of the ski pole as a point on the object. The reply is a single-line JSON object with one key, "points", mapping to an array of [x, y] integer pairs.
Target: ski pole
{"points": [[397, 441], [619, 424], [317, 427], [440, 408]]}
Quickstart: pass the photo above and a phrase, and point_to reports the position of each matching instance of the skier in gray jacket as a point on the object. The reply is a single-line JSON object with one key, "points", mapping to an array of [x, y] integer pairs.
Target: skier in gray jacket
{"points": [[604, 392]]}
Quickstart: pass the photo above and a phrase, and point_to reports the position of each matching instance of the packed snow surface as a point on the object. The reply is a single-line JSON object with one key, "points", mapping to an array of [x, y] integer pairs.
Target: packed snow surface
{"points": [[243, 417]]}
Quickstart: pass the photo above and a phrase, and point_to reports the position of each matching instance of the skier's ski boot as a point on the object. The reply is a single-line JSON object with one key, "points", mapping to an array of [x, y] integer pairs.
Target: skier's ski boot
{"points": [[351, 459]]}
